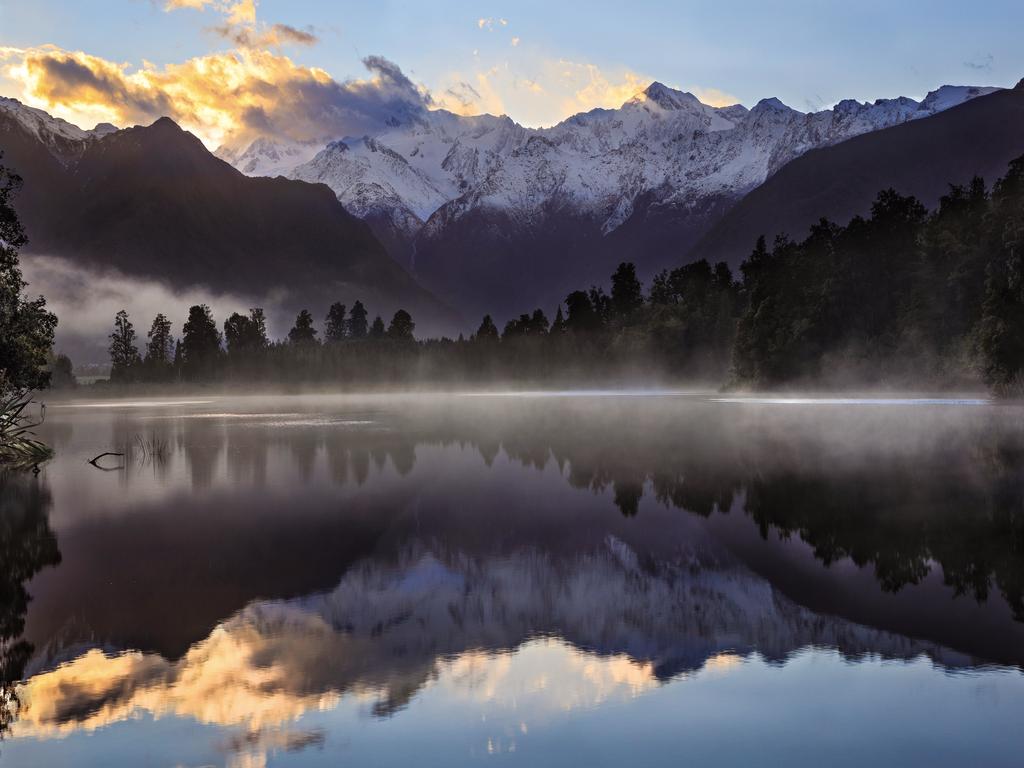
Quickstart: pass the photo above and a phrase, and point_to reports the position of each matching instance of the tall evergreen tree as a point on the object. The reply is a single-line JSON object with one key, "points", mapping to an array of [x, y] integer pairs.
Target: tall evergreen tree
{"points": [[124, 355], [582, 318], [337, 324], [487, 332], [26, 327], [357, 327], [303, 331], [377, 328], [160, 348], [401, 326], [627, 293], [558, 327], [246, 334], [200, 344]]}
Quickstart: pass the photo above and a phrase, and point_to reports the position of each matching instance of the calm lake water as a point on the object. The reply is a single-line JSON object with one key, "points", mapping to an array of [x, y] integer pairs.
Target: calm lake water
{"points": [[610, 579]]}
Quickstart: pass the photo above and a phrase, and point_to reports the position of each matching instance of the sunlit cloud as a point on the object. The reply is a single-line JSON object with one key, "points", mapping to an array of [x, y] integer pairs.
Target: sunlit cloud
{"points": [[714, 97], [232, 96], [236, 11], [555, 90], [488, 23]]}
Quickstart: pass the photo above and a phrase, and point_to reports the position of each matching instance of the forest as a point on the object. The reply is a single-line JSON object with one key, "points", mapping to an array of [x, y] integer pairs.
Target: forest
{"points": [[903, 297]]}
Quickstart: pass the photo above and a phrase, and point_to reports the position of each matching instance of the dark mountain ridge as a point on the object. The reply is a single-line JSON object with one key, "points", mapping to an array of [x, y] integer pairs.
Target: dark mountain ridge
{"points": [[920, 158], [152, 202]]}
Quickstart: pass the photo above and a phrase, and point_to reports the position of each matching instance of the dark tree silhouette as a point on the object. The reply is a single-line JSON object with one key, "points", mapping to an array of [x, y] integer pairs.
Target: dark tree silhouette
{"points": [[377, 328], [246, 334], [487, 332], [303, 331], [160, 348], [337, 324], [200, 344], [357, 327], [401, 326], [26, 327], [627, 293], [582, 318], [124, 355]]}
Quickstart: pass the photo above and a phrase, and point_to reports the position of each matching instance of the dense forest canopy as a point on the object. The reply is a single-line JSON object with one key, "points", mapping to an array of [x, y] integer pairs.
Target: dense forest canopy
{"points": [[901, 297]]}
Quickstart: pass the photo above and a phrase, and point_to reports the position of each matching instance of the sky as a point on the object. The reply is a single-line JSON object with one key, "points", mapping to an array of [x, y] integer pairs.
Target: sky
{"points": [[308, 70]]}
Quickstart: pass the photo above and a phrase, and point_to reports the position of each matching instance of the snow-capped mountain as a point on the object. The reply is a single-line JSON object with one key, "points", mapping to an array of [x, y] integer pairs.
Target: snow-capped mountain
{"points": [[662, 156], [64, 140], [602, 160]]}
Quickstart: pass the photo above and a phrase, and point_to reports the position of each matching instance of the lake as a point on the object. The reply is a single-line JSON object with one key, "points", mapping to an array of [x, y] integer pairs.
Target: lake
{"points": [[636, 578]]}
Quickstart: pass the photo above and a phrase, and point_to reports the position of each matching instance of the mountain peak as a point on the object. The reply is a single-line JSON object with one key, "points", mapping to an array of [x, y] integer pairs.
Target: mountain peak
{"points": [[772, 104], [953, 95], [668, 98], [166, 123]]}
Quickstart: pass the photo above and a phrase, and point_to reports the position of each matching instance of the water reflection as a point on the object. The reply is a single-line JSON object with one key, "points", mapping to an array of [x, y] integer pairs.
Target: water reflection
{"points": [[286, 558], [27, 545]]}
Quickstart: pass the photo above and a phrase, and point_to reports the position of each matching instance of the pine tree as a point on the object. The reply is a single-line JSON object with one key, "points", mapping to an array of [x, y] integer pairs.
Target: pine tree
{"points": [[357, 321], [303, 331], [337, 325], [124, 355], [200, 344], [401, 326], [377, 329], [160, 349], [558, 327], [488, 331], [627, 293]]}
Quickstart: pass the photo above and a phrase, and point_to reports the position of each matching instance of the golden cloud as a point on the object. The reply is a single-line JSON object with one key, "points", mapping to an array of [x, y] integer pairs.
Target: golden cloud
{"points": [[232, 96], [237, 11]]}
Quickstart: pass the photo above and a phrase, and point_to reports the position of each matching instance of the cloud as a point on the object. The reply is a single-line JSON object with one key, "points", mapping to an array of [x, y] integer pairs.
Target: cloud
{"points": [[714, 97], [488, 23], [982, 63], [223, 97], [236, 11], [274, 36], [93, 297]]}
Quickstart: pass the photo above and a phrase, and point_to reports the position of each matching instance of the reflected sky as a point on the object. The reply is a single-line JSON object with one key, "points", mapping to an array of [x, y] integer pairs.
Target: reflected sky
{"points": [[440, 580]]}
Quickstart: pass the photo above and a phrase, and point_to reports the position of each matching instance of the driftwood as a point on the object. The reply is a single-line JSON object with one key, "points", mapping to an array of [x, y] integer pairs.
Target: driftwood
{"points": [[95, 461]]}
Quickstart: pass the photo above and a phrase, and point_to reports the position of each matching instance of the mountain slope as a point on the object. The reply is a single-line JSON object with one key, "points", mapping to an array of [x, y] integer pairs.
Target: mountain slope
{"points": [[152, 202], [497, 217], [920, 158]]}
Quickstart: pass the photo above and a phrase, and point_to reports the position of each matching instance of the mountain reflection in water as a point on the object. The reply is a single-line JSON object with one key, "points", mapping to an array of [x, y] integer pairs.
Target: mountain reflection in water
{"points": [[267, 561]]}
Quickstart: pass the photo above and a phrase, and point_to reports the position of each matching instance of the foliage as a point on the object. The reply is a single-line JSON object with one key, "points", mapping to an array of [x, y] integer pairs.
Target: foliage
{"points": [[17, 436], [899, 295], [124, 355], [26, 327]]}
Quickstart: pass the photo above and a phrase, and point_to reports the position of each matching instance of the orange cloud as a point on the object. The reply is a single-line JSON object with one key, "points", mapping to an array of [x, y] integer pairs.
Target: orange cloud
{"points": [[233, 96]]}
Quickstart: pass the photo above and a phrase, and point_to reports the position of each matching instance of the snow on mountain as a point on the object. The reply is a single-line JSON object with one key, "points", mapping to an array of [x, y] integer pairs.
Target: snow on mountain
{"points": [[267, 157], [662, 141], [63, 139]]}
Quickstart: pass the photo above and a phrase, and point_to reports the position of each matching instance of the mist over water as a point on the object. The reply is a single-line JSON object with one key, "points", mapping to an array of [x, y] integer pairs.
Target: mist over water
{"points": [[440, 579]]}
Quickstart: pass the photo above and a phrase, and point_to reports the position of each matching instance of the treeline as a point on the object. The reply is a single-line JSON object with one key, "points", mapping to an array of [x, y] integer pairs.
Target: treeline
{"points": [[901, 297], [683, 326]]}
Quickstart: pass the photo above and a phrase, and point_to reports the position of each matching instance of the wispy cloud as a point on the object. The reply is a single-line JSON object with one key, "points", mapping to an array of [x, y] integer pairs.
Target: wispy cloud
{"points": [[274, 36], [489, 23], [981, 63]]}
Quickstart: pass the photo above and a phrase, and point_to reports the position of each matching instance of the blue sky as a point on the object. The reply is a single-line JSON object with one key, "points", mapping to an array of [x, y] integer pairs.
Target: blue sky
{"points": [[540, 61]]}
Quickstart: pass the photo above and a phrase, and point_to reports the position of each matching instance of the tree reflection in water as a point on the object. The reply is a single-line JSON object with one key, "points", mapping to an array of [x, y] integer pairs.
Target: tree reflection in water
{"points": [[27, 545]]}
